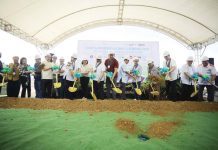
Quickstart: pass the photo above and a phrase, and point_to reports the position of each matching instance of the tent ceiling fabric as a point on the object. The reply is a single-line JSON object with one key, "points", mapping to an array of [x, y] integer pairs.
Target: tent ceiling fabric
{"points": [[49, 22]]}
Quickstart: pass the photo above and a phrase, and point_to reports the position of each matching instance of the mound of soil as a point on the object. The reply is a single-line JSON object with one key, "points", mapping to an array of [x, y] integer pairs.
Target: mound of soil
{"points": [[155, 130], [127, 126], [156, 107], [161, 129]]}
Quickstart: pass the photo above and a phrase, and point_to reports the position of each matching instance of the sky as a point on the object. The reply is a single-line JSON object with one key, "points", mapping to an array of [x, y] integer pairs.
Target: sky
{"points": [[11, 45]]}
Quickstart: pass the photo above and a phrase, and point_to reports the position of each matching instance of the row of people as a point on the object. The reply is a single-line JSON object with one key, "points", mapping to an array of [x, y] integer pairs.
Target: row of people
{"points": [[44, 76], [203, 75]]}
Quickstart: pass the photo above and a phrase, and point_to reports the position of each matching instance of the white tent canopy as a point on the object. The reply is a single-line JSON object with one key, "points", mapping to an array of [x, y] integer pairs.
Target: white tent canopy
{"points": [[48, 22]]}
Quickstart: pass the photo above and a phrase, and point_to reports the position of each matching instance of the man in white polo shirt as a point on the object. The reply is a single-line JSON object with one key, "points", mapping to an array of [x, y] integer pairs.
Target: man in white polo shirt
{"points": [[187, 71], [70, 69], [47, 76], [171, 76], [98, 82], [209, 70], [124, 77], [61, 79]]}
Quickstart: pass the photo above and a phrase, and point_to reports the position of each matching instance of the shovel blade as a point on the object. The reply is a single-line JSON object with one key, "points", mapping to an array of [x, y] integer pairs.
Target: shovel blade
{"points": [[3, 96], [57, 85], [138, 91], [117, 90], [72, 89], [3, 84], [155, 93], [194, 93]]}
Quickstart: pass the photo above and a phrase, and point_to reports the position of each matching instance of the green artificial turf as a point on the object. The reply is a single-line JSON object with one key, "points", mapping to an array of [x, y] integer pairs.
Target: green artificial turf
{"points": [[55, 130]]}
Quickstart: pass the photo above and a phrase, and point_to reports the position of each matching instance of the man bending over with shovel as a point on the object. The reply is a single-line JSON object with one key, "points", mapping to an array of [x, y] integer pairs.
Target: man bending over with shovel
{"points": [[207, 75], [187, 81], [111, 65]]}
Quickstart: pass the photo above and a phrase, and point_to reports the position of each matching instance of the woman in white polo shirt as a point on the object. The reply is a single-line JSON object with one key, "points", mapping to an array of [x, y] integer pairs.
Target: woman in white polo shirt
{"points": [[85, 69]]}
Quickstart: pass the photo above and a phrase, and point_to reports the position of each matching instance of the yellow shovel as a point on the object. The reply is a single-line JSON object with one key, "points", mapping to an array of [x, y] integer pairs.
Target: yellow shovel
{"points": [[115, 89], [3, 82], [153, 92], [57, 84], [92, 91], [73, 88], [137, 90], [3, 96], [195, 89]]}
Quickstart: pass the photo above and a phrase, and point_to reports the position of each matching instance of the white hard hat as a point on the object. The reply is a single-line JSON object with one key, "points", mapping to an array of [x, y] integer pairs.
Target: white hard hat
{"points": [[98, 57], [190, 58], [166, 53], [16, 56], [62, 58], [150, 62], [85, 58], [74, 56], [135, 58], [54, 56], [125, 57], [48, 55], [111, 52], [37, 57], [204, 58]]}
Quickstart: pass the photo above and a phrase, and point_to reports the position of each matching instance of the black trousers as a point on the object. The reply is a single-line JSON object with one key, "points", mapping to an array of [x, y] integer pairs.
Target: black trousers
{"points": [[109, 87], [62, 89], [84, 86], [69, 95], [26, 86], [136, 96], [54, 91], [186, 92], [38, 86], [123, 88], [13, 88], [46, 88], [171, 89], [99, 89], [210, 92], [1, 82]]}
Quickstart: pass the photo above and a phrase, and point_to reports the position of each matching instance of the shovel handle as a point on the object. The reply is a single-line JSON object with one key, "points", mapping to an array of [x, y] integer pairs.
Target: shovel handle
{"points": [[3, 80], [152, 87], [195, 86], [74, 84], [213, 84], [92, 86], [134, 79], [113, 83], [136, 84], [56, 76]]}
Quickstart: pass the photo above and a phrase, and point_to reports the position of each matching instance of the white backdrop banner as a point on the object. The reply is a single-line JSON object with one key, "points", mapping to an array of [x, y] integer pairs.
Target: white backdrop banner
{"points": [[144, 50]]}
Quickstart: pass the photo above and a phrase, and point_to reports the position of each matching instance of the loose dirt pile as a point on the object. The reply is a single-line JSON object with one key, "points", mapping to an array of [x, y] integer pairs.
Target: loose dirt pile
{"points": [[128, 126], [156, 107], [155, 130], [161, 129]]}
